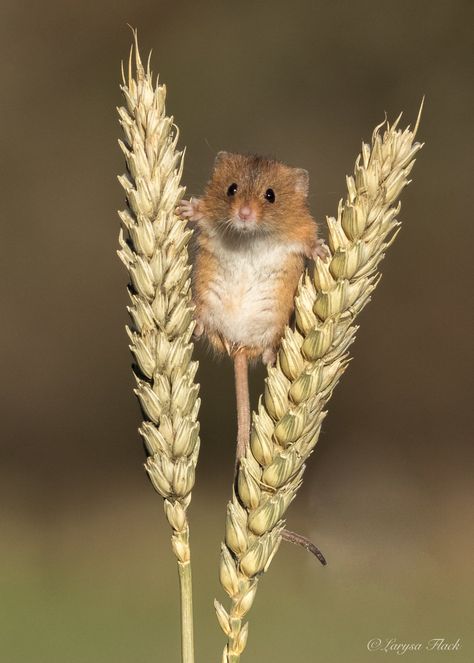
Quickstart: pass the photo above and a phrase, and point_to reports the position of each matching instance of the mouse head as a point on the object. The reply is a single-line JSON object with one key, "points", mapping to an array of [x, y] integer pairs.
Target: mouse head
{"points": [[250, 194]]}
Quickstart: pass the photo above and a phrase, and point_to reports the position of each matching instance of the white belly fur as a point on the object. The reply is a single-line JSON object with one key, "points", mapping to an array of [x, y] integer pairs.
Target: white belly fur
{"points": [[241, 302]]}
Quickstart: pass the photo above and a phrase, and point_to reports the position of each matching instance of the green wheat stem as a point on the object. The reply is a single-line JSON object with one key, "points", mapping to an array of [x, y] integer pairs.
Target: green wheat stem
{"points": [[186, 599]]}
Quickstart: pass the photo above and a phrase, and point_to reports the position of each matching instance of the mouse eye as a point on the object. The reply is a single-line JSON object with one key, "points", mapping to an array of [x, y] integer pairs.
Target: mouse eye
{"points": [[232, 189], [270, 195]]}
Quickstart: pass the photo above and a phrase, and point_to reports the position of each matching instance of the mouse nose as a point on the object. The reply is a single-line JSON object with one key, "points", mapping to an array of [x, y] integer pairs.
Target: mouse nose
{"points": [[245, 212]]}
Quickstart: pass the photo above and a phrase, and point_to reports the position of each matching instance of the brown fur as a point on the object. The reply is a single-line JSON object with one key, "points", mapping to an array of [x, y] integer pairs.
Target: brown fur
{"points": [[286, 222], [287, 217]]}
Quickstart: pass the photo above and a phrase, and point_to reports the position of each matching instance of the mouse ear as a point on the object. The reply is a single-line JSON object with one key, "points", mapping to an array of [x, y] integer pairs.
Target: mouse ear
{"points": [[301, 181], [220, 157]]}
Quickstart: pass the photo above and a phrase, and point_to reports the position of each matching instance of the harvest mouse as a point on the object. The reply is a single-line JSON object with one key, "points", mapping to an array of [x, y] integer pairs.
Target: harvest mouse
{"points": [[254, 232]]}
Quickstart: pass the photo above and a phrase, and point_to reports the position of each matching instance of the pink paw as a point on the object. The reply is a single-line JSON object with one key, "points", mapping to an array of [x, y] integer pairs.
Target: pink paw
{"points": [[189, 209], [320, 250], [269, 357], [198, 329]]}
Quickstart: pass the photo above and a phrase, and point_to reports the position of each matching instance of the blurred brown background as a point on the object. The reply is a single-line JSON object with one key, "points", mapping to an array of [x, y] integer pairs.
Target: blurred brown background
{"points": [[87, 572]]}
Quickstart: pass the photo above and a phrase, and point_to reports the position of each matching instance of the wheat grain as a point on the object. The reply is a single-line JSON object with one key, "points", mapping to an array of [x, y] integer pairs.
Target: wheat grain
{"points": [[153, 249], [311, 360]]}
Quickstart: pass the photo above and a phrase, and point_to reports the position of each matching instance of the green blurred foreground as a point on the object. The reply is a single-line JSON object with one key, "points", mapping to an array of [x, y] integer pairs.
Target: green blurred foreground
{"points": [[110, 594]]}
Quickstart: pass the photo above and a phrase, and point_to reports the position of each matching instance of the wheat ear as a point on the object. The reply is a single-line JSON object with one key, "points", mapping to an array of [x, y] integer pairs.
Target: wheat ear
{"points": [[312, 358], [153, 249]]}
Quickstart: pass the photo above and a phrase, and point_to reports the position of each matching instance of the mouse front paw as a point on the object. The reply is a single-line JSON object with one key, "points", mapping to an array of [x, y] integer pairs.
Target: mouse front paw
{"points": [[320, 250], [269, 357], [189, 209], [198, 330]]}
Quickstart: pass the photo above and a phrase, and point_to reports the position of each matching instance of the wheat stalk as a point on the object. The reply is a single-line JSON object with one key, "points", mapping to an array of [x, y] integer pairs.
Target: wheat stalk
{"points": [[153, 249], [311, 360]]}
